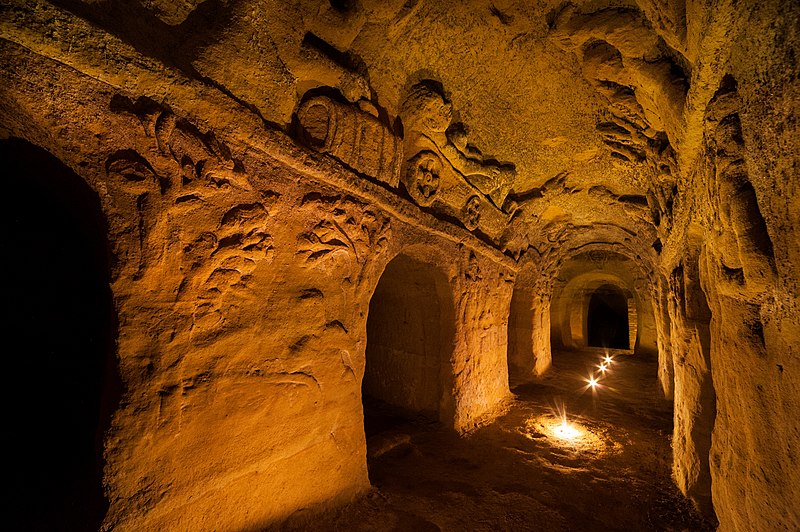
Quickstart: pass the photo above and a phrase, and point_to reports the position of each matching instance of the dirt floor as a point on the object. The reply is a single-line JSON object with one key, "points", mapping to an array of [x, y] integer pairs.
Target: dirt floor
{"points": [[521, 473]]}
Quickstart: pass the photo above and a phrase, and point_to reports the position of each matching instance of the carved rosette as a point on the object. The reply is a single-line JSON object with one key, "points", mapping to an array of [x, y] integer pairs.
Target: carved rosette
{"points": [[471, 213], [423, 177]]}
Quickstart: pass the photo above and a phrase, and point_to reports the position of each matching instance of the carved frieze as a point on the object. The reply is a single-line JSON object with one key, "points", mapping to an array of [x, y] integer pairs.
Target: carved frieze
{"points": [[342, 226], [197, 157], [190, 194], [354, 137], [441, 172]]}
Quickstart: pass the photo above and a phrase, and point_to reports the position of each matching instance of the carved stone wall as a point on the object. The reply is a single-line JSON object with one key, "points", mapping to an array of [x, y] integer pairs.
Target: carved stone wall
{"points": [[695, 398], [260, 164], [749, 279], [242, 286]]}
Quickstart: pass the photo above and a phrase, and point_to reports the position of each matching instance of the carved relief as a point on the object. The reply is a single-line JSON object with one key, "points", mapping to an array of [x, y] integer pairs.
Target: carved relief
{"points": [[132, 171], [137, 179], [354, 137], [198, 156], [472, 269], [422, 180], [344, 227], [600, 258], [220, 263], [471, 213], [744, 251], [446, 173], [188, 168]]}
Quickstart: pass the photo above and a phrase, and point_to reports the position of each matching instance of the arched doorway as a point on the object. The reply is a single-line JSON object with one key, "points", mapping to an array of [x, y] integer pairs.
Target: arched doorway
{"points": [[59, 313], [409, 340], [607, 318], [520, 337]]}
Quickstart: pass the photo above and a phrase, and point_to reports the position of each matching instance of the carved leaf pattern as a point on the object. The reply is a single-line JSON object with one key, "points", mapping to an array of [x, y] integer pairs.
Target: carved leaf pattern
{"points": [[346, 225]]}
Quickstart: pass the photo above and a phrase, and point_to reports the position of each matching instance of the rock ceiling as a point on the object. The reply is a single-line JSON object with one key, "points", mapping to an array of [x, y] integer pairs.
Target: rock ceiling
{"points": [[522, 97], [591, 106]]}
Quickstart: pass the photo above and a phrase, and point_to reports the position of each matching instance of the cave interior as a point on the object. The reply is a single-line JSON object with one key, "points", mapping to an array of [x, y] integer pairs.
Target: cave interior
{"points": [[402, 265]]}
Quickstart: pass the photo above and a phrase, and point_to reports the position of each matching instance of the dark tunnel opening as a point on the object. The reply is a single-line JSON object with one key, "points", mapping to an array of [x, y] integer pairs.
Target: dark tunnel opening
{"points": [[64, 378], [405, 339], [607, 320]]}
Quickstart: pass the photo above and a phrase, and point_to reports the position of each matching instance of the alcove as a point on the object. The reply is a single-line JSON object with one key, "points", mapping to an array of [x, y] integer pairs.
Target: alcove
{"points": [[409, 339], [62, 378], [520, 337]]}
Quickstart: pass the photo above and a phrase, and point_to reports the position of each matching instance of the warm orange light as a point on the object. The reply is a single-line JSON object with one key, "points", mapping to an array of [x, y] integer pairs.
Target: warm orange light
{"points": [[592, 382], [607, 360], [603, 367], [566, 431]]}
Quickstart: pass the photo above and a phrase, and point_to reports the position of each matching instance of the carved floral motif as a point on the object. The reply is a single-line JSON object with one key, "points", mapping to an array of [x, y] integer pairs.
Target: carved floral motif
{"points": [[345, 226], [423, 177], [472, 213]]}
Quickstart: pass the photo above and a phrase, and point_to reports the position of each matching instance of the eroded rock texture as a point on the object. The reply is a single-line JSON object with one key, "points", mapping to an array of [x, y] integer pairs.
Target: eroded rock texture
{"points": [[308, 202]]}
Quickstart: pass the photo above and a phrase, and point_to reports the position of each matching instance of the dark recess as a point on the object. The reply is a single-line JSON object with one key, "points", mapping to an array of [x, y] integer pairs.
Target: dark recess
{"points": [[62, 381], [608, 319]]}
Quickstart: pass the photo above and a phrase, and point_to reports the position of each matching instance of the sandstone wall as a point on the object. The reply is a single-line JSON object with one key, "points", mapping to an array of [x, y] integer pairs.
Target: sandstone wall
{"points": [[737, 333], [260, 166], [242, 283], [754, 301]]}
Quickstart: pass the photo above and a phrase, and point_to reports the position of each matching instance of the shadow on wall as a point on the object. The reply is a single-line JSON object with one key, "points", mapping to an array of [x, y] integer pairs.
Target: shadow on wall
{"points": [[410, 331], [62, 380]]}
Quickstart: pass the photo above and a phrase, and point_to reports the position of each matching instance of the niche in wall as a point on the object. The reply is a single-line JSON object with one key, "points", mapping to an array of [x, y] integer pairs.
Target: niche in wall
{"points": [[520, 337], [61, 378], [409, 339]]}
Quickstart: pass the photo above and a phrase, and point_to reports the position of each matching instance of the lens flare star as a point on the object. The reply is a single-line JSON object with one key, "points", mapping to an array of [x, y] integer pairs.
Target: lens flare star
{"points": [[566, 431]]}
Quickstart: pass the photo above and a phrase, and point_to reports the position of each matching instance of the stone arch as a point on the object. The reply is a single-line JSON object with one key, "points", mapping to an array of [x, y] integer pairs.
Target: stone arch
{"points": [[62, 312], [410, 332], [570, 312]]}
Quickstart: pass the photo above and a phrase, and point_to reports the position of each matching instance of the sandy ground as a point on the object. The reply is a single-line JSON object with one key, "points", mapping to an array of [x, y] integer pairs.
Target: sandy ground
{"points": [[520, 473]]}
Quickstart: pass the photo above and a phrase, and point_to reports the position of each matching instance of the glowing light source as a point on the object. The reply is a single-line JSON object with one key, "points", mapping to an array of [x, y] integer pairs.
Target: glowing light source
{"points": [[607, 360], [603, 367], [592, 382], [566, 431]]}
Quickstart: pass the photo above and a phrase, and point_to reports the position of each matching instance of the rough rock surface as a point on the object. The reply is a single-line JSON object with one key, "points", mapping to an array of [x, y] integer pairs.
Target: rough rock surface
{"points": [[271, 174]]}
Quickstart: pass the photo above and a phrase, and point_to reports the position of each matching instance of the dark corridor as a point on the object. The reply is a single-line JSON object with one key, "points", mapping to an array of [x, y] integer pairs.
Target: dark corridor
{"points": [[61, 378], [607, 320]]}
